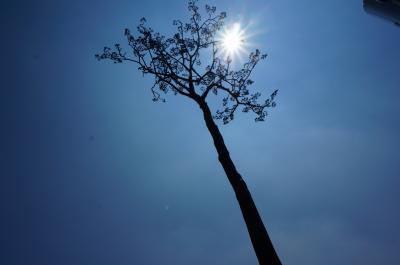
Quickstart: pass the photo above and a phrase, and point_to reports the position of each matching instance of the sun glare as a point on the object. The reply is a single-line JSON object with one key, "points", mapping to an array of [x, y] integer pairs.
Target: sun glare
{"points": [[233, 41]]}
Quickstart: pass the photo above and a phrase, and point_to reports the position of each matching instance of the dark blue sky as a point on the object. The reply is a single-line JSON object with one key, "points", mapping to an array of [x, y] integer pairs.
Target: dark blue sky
{"points": [[98, 174]]}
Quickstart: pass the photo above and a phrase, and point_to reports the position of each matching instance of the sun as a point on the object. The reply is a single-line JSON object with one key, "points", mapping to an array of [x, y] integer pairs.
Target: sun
{"points": [[232, 40]]}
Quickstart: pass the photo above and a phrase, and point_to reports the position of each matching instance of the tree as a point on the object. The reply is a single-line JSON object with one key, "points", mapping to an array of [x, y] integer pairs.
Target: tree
{"points": [[176, 65]]}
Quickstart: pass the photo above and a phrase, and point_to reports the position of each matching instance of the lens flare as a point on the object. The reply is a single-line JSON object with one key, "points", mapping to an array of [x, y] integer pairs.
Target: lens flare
{"points": [[232, 41]]}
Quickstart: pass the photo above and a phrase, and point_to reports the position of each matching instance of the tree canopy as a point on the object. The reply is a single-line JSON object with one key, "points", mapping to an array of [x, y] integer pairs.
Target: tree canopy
{"points": [[179, 63]]}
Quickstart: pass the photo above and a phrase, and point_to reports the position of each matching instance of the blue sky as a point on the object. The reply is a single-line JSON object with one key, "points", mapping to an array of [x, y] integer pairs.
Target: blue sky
{"points": [[96, 173]]}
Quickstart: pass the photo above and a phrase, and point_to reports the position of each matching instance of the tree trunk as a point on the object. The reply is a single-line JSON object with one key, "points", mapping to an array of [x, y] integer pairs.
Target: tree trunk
{"points": [[262, 244]]}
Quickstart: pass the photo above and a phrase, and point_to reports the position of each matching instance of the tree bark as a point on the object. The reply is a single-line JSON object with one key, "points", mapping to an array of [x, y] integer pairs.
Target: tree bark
{"points": [[262, 244]]}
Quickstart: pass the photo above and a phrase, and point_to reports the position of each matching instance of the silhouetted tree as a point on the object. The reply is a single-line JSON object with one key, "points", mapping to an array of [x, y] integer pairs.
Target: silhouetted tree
{"points": [[175, 63]]}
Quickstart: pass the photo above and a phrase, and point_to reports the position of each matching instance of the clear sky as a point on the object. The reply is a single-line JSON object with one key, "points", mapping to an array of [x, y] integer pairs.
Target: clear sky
{"points": [[98, 174]]}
